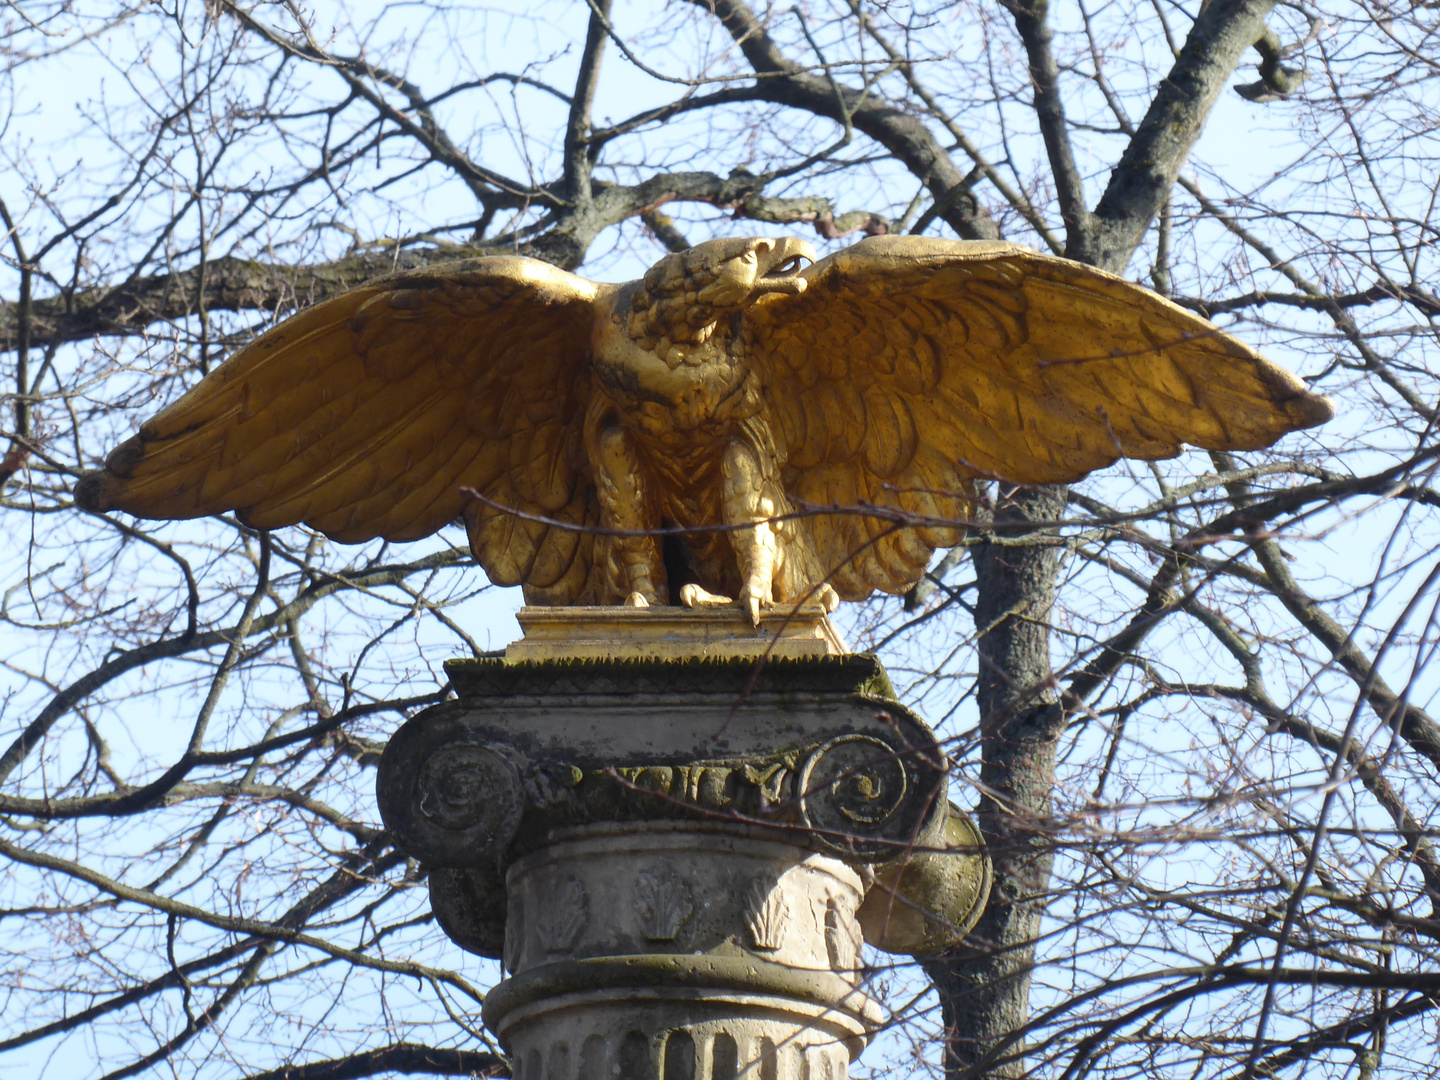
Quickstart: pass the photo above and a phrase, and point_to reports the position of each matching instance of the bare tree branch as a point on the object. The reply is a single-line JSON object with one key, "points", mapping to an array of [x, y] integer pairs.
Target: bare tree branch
{"points": [[407, 1059], [1031, 20], [783, 82], [1142, 180]]}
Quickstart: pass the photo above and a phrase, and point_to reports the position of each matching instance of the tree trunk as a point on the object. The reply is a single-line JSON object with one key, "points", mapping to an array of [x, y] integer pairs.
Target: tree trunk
{"points": [[985, 985]]}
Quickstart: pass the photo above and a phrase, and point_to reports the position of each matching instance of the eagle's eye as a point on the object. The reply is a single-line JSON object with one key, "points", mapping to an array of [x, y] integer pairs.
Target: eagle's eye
{"points": [[789, 266]]}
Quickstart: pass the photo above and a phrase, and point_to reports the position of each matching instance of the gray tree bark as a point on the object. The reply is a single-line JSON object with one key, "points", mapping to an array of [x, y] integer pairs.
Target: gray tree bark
{"points": [[985, 986]]}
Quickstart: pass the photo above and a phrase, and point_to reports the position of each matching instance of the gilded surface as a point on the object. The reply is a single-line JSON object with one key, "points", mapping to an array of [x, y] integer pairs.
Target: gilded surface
{"points": [[560, 633], [729, 395]]}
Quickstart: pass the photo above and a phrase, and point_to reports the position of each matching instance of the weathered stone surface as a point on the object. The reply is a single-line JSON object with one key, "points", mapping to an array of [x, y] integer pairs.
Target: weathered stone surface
{"points": [[631, 945], [458, 806], [927, 901], [792, 744], [469, 905], [674, 887], [679, 1034], [671, 856], [661, 679]]}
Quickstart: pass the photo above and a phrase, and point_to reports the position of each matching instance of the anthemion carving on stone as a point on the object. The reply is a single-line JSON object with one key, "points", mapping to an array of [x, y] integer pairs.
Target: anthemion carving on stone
{"points": [[767, 914], [562, 916], [662, 900]]}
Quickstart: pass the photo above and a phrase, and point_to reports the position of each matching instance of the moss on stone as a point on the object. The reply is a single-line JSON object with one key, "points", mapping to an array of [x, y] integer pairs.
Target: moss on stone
{"points": [[678, 973], [858, 673]]}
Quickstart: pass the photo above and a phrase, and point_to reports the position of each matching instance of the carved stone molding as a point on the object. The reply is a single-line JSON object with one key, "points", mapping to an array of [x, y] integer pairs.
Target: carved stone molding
{"points": [[842, 935], [705, 946], [470, 907], [514, 933], [450, 799], [853, 790], [927, 902], [665, 678]]}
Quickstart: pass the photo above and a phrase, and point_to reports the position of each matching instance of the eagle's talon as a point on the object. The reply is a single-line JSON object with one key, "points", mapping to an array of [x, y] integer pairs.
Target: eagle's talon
{"points": [[827, 597], [751, 604], [750, 601], [693, 596], [636, 599]]}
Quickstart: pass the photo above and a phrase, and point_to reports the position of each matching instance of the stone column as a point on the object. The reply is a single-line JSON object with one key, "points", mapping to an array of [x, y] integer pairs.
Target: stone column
{"points": [[677, 847]]}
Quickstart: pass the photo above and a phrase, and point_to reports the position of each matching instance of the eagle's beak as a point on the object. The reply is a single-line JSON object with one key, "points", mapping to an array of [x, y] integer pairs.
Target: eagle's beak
{"points": [[782, 264]]}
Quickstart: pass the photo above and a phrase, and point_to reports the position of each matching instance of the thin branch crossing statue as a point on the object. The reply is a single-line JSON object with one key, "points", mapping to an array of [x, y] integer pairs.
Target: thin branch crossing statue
{"points": [[729, 387]]}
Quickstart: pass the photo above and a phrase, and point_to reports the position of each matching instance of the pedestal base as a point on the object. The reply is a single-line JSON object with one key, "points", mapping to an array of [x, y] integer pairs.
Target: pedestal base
{"points": [[667, 832], [673, 633]]}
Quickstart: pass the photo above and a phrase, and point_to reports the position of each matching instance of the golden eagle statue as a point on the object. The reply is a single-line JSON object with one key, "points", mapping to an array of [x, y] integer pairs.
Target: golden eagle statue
{"points": [[699, 434]]}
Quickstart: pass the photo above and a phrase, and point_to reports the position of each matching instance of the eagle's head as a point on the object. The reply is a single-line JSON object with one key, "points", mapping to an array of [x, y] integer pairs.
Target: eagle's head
{"points": [[684, 296]]}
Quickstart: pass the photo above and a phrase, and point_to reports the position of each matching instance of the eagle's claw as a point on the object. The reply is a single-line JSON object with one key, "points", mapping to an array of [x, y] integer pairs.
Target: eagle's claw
{"points": [[750, 602], [752, 609], [693, 595]]}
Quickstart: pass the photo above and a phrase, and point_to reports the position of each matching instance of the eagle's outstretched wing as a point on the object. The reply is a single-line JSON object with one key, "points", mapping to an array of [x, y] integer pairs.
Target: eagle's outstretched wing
{"points": [[365, 415], [910, 366]]}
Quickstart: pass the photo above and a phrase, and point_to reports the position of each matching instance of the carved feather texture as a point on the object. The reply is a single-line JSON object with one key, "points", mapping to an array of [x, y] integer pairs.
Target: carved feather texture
{"points": [[901, 371], [911, 366], [365, 415]]}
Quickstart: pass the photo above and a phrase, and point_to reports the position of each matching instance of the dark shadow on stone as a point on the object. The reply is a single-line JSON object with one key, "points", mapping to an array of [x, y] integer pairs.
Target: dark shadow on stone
{"points": [[679, 1056]]}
